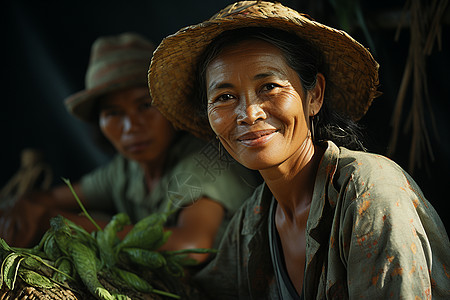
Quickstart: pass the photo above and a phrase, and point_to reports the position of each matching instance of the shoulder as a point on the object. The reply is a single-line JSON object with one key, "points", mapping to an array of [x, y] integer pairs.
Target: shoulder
{"points": [[186, 145], [185, 153], [368, 184], [372, 189], [367, 164], [368, 171], [117, 170], [116, 162], [349, 174]]}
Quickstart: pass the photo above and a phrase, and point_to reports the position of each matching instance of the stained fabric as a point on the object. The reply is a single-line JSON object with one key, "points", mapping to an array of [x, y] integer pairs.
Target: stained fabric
{"points": [[371, 234]]}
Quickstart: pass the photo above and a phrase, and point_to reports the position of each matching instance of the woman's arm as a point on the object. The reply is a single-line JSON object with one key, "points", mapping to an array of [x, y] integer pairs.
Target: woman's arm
{"points": [[389, 253], [196, 227]]}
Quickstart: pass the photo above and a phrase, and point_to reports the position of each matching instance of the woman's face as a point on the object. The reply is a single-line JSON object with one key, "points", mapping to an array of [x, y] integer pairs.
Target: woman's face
{"points": [[256, 104], [135, 128]]}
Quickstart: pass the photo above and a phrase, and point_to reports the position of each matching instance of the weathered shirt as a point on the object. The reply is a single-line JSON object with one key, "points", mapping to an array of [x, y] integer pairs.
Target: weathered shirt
{"points": [[371, 234], [194, 169]]}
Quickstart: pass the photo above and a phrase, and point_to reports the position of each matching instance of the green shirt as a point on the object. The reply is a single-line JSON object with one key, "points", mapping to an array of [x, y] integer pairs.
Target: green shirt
{"points": [[193, 169], [370, 234]]}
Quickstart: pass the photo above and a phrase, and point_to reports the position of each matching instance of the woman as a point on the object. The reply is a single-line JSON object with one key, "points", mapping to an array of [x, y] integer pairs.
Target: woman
{"points": [[155, 167], [281, 92]]}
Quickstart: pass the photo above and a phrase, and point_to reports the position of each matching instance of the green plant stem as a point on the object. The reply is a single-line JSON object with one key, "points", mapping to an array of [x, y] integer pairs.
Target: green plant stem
{"points": [[159, 292], [67, 181], [192, 250]]}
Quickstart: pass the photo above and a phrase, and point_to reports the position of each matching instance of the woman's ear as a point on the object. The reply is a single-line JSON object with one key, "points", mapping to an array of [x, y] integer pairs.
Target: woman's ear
{"points": [[316, 95]]}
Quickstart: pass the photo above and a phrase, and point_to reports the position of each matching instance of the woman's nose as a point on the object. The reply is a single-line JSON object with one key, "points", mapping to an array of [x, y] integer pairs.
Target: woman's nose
{"points": [[251, 112], [131, 123]]}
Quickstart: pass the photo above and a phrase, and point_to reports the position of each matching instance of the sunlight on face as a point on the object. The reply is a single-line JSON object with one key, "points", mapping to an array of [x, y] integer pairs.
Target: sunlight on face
{"points": [[256, 104]]}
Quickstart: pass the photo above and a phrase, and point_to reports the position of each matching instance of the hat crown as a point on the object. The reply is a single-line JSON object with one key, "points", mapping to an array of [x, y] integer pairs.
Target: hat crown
{"points": [[257, 9], [116, 62], [118, 57]]}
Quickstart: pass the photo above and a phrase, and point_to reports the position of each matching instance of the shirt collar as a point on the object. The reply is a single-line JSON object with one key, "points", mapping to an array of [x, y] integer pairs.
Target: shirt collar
{"points": [[257, 209], [325, 174]]}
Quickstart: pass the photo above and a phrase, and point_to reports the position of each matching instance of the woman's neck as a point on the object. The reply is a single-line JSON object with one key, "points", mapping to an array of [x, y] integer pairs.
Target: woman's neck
{"points": [[292, 182], [153, 172]]}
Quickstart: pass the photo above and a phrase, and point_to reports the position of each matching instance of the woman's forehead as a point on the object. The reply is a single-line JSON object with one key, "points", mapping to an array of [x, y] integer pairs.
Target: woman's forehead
{"points": [[257, 58], [251, 44], [125, 96]]}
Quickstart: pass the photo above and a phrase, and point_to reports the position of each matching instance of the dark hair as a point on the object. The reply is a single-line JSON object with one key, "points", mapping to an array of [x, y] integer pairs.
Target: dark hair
{"points": [[303, 58]]}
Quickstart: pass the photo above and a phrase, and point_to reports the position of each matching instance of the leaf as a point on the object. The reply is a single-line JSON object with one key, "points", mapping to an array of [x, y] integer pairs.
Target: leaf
{"points": [[10, 266], [4, 245], [80, 232], [162, 240], [106, 252], [64, 267], [147, 258], [44, 238], [184, 260], [107, 238], [51, 249], [145, 234], [35, 279], [116, 224], [31, 263], [102, 293], [140, 284]]}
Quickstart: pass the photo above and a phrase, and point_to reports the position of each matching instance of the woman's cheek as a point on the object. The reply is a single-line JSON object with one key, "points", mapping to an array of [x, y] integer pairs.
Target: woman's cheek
{"points": [[220, 120]]}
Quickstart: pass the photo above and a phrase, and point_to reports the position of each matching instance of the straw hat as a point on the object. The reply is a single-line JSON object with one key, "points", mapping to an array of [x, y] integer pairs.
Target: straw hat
{"points": [[351, 83], [116, 62]]}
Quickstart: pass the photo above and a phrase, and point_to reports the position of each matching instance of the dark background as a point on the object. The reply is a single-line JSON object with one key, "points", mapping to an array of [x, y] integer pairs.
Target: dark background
{"points": [[46, 51]]}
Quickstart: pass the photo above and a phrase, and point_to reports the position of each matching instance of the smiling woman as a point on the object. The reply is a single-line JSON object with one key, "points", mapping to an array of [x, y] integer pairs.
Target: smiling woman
{"points": [[258, 92], [283, 94]]}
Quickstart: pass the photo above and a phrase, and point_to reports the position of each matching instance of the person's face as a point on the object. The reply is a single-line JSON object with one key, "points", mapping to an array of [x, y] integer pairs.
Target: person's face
{"points": [[256, 104], [136, 129]]}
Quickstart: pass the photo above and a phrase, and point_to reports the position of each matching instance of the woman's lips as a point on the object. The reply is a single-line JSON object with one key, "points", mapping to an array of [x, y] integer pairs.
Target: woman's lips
{"points": [[257, 138], [137, 147]]}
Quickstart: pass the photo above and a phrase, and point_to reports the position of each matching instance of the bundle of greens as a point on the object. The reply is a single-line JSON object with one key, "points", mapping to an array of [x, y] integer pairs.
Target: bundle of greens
{"points": [[69, 254]]}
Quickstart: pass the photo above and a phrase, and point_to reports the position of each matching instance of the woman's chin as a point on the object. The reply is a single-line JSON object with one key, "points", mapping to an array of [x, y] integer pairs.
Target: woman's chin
{"points": [[257, 161]]}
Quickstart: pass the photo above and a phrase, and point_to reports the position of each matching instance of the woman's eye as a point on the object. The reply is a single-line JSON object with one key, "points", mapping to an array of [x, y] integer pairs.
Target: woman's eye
{"points": [[270, 86], [224, 97]]}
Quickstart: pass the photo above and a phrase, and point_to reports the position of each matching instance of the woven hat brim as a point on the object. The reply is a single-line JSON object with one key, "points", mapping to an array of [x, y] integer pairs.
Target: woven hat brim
{"points": [[82, 104], [352, 72]]}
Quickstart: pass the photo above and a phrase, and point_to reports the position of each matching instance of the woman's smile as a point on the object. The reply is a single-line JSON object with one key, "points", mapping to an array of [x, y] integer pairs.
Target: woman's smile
{"points": [[257, 138], [256, 104]]}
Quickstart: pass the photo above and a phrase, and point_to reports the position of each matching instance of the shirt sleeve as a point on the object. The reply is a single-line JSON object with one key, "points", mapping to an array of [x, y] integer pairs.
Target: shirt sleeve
{"points": [[391, 241], [202, 174], [99, 185]]}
